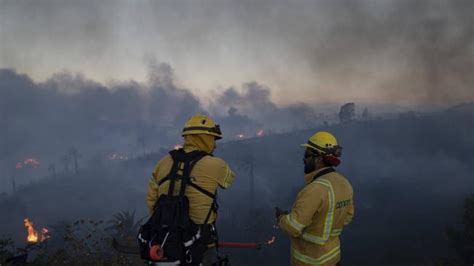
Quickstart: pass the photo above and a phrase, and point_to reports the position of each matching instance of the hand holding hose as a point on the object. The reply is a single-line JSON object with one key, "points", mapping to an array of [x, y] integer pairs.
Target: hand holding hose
{"points": [[279, 212]]}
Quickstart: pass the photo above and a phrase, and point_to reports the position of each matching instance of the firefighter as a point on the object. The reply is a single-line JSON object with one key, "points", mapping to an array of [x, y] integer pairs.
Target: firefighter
{"points": [[200, 134], [322, 208]]}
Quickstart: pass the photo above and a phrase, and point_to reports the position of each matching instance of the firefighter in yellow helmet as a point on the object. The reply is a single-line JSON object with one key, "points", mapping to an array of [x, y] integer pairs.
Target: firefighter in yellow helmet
{"points": [[200, 133], [322, 208]]}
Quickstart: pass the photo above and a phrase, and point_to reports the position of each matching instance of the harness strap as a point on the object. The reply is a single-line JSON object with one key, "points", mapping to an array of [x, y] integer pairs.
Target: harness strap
{"points": [[172, 177], [214, 207], [202, 190], [189, 160], [190, 183]]}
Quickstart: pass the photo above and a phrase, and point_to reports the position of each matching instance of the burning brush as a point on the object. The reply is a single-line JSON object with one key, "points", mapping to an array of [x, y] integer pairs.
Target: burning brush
{"points": [[33, 239], [33, 236]]}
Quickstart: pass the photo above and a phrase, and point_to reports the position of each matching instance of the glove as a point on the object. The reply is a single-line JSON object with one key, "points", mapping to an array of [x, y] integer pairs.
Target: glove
{"points": [[279, 212]]}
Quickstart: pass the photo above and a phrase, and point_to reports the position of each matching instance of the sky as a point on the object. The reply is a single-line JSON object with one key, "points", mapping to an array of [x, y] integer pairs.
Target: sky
{"points": [[368, 51]]}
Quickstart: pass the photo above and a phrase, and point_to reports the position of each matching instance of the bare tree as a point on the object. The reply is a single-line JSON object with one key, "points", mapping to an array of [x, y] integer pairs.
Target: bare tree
{"points": [[366, 114], [66, 160], [347, 113], [75, 155], [52, 169], [13, 184]]}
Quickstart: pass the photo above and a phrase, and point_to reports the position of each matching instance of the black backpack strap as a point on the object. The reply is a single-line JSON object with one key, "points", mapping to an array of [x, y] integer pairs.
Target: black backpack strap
{"points": [[202, 190], [323, 172], [214, 207], [172, 176], [187, 160], [164, 179]]}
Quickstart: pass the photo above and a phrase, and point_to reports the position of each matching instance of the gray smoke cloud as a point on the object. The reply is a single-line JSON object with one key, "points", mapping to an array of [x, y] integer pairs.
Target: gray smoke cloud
{"points": [[251, 109], [46, 120], [324, 51]]}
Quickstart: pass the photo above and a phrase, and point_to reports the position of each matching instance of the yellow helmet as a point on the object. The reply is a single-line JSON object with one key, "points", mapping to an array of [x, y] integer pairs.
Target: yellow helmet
{"points": [[324, 143], [202, 124]]}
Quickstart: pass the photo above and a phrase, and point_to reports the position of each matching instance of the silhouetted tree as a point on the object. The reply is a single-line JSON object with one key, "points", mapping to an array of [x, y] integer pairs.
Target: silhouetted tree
{"points": [[463, 241], [52, 169], [66, 160], [13, 184], [74, 153], [347, 113], [365, 114]]}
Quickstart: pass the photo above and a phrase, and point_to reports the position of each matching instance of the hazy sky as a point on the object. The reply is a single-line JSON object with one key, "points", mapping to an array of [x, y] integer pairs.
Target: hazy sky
{"points": [[407, 52]]}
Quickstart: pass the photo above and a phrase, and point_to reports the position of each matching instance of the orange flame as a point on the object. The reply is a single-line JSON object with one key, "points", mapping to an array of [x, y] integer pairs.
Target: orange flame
{"points": [[271, 241], [29, 163], [35, 163], [33, 236], [117, 157]]}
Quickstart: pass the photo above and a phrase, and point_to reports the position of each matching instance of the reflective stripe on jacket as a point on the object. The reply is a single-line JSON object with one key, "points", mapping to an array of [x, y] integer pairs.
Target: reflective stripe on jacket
{"points": [[317, 218]]}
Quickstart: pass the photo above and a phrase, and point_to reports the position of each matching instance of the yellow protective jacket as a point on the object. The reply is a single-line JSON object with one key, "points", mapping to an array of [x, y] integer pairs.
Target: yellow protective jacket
{"points": [[321, 210], [208, 173]]}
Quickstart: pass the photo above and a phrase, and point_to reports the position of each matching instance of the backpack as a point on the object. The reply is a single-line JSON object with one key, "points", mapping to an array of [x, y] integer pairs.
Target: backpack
{"points": [[170, 235]]}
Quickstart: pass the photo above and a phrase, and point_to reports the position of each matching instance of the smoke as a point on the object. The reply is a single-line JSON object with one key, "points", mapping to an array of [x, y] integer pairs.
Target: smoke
{"points": [[251, 109], [324, 51], [68, 110], [46, 119]]}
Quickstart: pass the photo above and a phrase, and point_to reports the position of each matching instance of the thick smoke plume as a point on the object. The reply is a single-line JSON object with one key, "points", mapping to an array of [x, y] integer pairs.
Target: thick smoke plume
{"points": [[410, 52], [69, 111]]}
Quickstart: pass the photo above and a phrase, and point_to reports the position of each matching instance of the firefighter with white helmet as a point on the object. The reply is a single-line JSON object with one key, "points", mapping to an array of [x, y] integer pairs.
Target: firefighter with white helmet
{"points": [[322, 208]]}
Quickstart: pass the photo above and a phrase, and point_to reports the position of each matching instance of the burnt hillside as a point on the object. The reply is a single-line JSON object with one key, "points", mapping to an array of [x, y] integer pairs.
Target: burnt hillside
{"points": [[409, 175]]}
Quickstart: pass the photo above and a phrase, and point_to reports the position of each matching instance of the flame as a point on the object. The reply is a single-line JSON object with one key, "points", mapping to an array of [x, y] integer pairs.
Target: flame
{"points": [[260, 132], [271, 241], [35, 163], [117, 157], [29, 162], [178, 146], [33, 236]]}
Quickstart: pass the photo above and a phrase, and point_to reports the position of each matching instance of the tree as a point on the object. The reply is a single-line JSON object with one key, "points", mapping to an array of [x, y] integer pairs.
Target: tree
{"points": [[347, 113], [66, 160], [463, 241], [52, 169], [365, 114], [13, 184], [75, 155]]}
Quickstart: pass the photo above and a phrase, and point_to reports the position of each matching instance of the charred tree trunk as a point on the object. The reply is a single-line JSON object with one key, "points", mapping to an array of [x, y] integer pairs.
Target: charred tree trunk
{"points": [[13, 185], [66, 160], [75, 155]]}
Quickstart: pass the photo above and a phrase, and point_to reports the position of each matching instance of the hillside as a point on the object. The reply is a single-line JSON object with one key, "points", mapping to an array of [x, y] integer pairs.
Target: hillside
{"points": [[409, 175]]}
